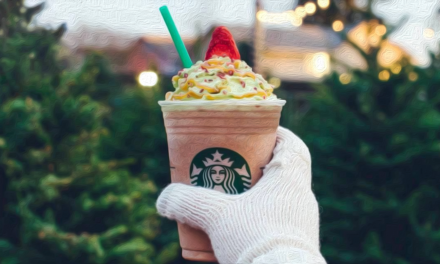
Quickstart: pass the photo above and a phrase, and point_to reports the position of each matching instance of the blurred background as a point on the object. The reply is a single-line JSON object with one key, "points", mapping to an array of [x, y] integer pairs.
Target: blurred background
{"points": [[83, 153]]}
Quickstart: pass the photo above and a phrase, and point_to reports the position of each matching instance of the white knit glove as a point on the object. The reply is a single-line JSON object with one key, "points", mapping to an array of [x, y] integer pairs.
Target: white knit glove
{"points": [[276, 221]]}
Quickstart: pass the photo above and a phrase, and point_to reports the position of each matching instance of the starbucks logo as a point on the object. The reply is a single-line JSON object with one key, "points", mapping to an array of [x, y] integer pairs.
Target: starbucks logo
{"points": [[222, 170]]}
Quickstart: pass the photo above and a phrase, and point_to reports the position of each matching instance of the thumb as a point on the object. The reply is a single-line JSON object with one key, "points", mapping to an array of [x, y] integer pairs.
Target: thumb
{"points": [[290, 164], [194, 206], [287, 141]]}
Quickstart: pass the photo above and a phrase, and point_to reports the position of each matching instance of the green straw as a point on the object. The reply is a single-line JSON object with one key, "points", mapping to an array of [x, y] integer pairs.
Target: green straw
{"points": [[183, 53]]}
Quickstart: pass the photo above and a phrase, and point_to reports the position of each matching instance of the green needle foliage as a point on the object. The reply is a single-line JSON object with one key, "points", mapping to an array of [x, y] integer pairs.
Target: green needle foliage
{"points": [[61, 200], [375, 146]]}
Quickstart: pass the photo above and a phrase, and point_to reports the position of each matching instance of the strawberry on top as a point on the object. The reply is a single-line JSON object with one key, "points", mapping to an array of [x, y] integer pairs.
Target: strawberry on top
{"points": [[222, 45]]}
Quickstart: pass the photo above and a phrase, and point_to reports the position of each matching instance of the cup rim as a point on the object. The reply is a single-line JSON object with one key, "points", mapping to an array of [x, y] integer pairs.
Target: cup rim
{"points": [[273, 102]]}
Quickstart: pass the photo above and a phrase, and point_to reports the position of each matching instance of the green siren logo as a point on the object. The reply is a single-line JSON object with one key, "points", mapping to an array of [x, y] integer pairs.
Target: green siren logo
{"points": [[222, 170]]}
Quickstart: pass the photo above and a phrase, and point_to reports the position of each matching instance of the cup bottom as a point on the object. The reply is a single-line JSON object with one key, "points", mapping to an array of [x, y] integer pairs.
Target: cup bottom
{"points": [[206, 256]]}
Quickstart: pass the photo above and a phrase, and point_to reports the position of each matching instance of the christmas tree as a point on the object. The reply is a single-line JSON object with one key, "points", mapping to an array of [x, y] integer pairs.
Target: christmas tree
{"points": [[374, 137], [137, 131], [61, 201]]}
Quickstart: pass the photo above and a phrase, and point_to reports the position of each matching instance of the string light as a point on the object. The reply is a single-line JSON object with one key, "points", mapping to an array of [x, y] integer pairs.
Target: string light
{"points": [[389, 55], [337, 25], [319, 64], [275, 82], [384, 75], [412, 76], [374, 40], [396, 68], [345, 78], [380, 30], [428, 33], [324, 4], [279, 18], [273, 18], [148, 78], [300, 11], [310, 8], [261, 14], [296, 21]]}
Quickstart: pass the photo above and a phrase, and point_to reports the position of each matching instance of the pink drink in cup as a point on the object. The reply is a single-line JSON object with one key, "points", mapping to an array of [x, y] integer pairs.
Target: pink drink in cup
{"points": [[221, 124]]}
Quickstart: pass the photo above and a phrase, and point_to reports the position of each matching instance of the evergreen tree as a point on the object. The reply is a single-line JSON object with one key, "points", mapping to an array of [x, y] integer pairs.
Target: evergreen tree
{"points": [[137, 131], [96, 79], [60, 201], [374, 137]]}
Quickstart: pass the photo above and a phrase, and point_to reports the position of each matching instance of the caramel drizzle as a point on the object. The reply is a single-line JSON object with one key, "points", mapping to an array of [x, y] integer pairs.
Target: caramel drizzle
{"points": [[248, 74], [194, 83], [210, 62], [215, 64], [213, 97]]}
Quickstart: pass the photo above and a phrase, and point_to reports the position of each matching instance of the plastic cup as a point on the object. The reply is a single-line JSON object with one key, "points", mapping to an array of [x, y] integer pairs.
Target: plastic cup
{"points": [[222, 145]]}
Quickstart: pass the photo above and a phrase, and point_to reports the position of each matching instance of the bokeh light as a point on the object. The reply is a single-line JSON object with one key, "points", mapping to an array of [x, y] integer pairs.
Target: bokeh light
{"points": [[324, 4], [428, 33], [412, 76], [380, 30], [374, 40], [310, 8], [279, 18], [345, 78], [384, 75], [338, 25], [148, 78], [320, 64], [275, 82], [389, 55], [300, 11], [396, 68]]}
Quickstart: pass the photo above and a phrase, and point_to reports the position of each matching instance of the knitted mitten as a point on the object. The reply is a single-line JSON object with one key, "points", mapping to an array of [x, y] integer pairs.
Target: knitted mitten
{"points": [[276, 221]]}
